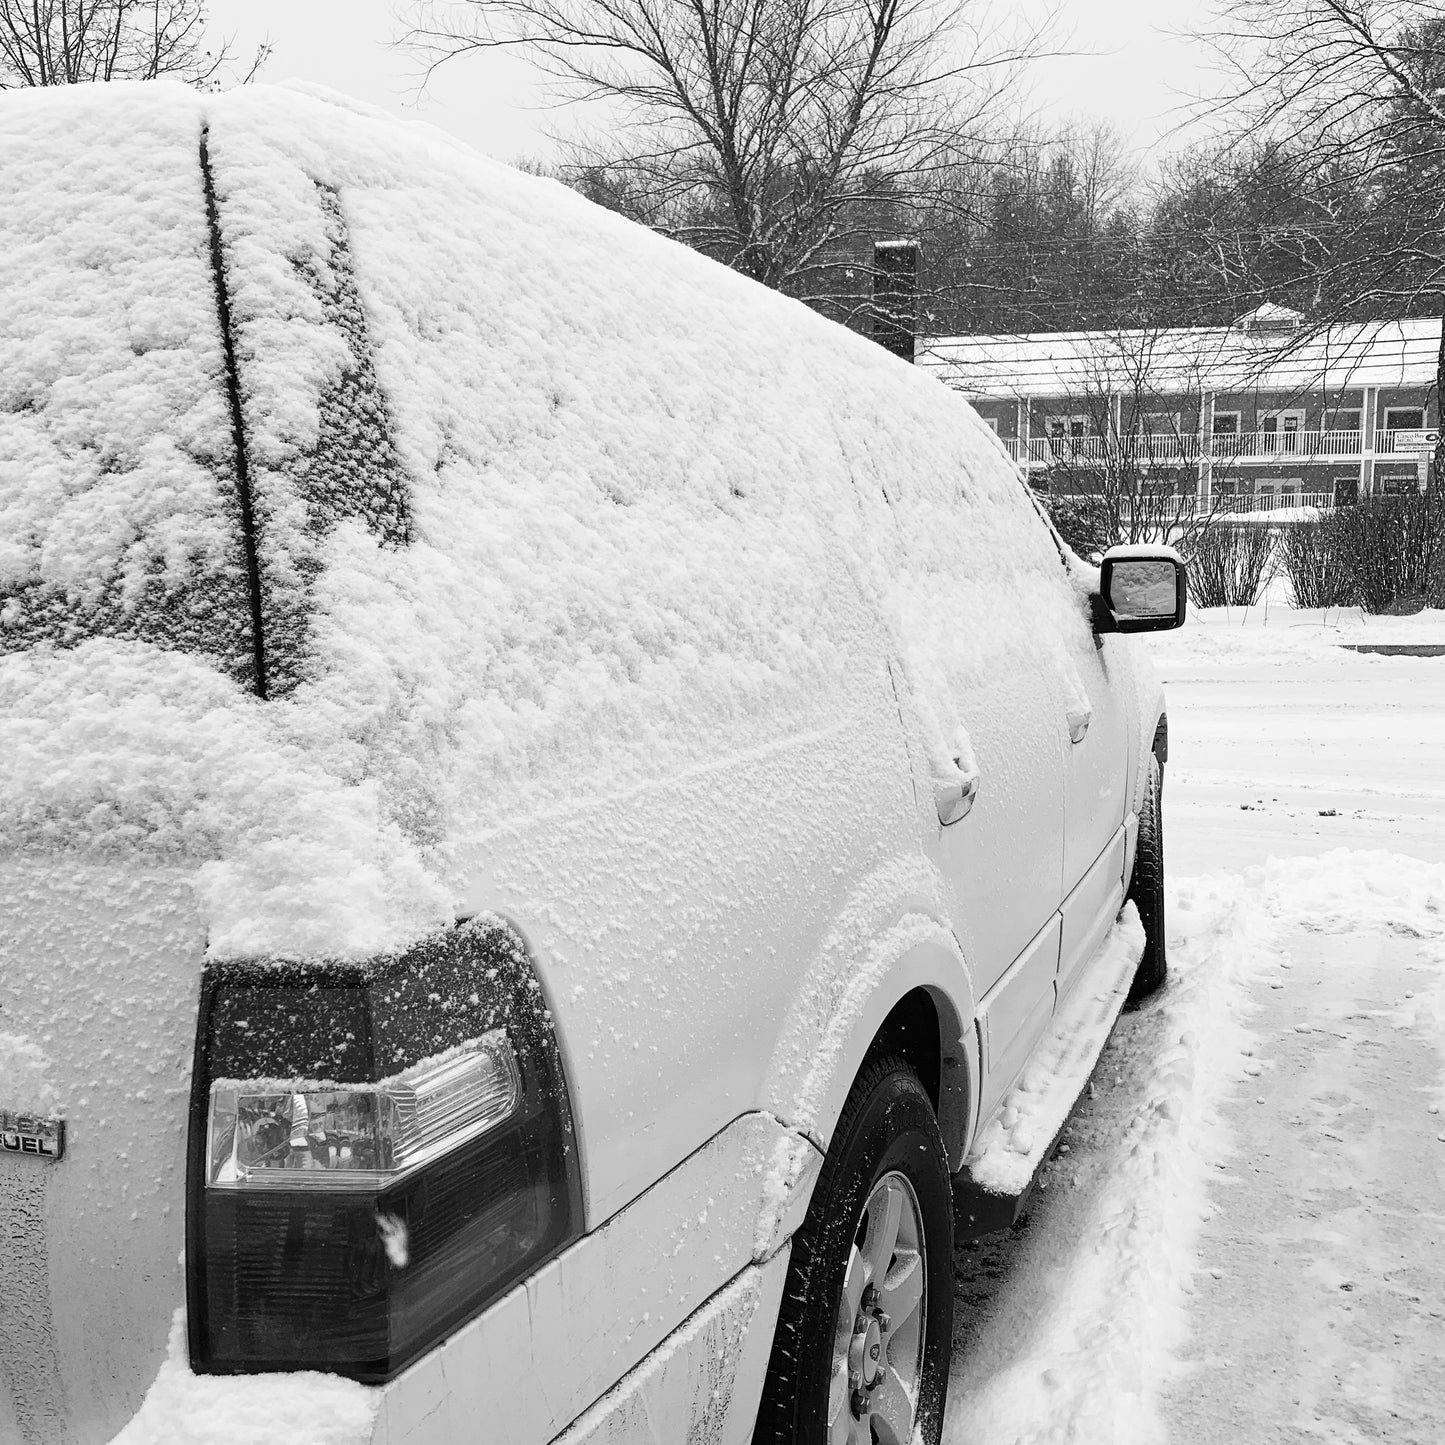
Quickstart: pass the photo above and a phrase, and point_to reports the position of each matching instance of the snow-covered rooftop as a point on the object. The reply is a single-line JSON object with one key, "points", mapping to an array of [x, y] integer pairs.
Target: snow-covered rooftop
{"points": [[1188, 359]]}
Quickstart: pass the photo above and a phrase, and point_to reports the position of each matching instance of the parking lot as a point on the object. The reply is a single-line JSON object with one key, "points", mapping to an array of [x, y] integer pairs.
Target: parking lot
{"points": [[1239, 1238]]}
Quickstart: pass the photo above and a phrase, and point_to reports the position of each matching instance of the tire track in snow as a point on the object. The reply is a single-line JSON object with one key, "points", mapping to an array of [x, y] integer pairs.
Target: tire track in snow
{"points": [[1066, 1325], [1071, 1328]]}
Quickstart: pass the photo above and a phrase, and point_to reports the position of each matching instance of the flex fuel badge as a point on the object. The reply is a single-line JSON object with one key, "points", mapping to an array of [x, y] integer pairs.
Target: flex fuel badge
{"points": [[28, 1134]]}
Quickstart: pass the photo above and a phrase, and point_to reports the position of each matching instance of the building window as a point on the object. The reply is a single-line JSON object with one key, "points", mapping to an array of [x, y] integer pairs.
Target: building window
{"points": [[1399, 483], [991, 422], [1404, 418], [1067, 427], [1400, 419], [1226, 423], [1279, 430], [1342, 433]]}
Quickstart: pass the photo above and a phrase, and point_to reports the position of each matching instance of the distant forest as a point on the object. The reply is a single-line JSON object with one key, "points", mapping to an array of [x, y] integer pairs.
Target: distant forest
{"points": [[1063, 235], [1065, 232]]}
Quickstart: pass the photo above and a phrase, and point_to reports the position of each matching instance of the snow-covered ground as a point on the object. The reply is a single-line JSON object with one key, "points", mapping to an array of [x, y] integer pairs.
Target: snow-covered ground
{"points": [[1240, 1237]]}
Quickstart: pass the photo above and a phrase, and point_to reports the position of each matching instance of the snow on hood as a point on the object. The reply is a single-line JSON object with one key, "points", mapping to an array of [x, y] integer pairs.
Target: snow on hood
{"points": [[549, 507]]}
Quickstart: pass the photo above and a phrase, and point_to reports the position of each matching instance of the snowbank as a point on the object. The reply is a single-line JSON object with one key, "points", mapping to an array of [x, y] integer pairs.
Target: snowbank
{"points": [[1244, 636], [1093, 1341], [1086, 1342]]}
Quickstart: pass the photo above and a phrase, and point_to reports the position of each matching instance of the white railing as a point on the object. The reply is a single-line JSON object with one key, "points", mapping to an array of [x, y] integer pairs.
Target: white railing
{"points": [[1165, 448], [1220, 505], [1241, 504]]}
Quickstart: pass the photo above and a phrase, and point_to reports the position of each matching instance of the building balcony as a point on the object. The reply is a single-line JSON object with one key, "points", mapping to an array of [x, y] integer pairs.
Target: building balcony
{"points": [[1224, 449], [1290, 505]]}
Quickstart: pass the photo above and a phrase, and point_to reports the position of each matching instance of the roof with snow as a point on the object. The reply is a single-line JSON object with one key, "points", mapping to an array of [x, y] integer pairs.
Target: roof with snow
{"points": [[1243, 357]]}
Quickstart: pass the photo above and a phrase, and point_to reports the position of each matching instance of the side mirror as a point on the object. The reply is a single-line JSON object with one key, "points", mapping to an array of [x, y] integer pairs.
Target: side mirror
{"points": [[1144, 588]]}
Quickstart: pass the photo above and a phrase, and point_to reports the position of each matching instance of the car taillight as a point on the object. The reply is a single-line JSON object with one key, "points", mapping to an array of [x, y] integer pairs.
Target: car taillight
{"points": [[377, 1153]]}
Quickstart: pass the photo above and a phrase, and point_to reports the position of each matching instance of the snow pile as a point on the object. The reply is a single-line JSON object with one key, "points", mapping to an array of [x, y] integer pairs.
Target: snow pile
{"points": [[1087, 1344], [1240, 637], [1088, 1336], [305, 1408], [1348, 889]]}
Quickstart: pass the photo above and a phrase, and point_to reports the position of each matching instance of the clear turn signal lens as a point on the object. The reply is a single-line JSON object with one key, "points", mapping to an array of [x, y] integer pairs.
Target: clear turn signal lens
{"points": [[295, 1135]]}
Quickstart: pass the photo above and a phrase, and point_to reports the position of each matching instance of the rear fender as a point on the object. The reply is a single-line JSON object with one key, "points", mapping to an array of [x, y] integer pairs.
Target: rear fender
{"points": [[859, 976]]}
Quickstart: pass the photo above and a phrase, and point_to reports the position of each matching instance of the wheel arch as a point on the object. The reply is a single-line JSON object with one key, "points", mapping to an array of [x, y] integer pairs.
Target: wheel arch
{"points": [[912, 992]]}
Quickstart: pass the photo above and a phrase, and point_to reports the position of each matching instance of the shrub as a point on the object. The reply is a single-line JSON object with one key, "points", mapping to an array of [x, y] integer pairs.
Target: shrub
{"points": [[1393, 550], [1313, 561], [1229, 564], [1385, 554], [1083, 522]]}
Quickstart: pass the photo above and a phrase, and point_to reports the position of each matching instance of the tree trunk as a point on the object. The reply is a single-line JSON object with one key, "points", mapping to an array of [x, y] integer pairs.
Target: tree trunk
{"points": [[1437, 459]]}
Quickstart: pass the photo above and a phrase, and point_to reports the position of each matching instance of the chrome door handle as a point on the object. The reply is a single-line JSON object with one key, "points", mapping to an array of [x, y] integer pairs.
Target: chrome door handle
{"points": [[1079, 725], [955, 797]]}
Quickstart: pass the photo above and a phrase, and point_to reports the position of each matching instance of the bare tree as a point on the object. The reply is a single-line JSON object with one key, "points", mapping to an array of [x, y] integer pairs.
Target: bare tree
{"points": [[770, 134], [1123, 446], [69, 42], [1353, 94]]}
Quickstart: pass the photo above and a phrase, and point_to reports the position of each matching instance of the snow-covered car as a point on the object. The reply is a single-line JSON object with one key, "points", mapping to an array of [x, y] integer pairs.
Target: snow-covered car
{"points": [[561, 815]]}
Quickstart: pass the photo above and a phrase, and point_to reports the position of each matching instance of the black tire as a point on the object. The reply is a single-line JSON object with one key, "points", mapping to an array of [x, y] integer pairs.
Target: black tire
{"points": [[887, 1130], [1146, 888]]}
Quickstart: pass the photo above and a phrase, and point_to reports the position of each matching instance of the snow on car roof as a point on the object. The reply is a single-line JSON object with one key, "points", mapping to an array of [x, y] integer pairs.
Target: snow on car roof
{"points": [[548, 507]]}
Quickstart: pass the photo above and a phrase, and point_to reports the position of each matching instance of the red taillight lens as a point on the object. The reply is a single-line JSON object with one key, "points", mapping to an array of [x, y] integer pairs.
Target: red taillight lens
{"points": [[377, 1154]]}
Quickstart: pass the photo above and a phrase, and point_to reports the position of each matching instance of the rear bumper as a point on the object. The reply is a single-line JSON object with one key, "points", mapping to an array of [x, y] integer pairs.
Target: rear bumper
{"points": [[708, 1372], [660, 1319]]}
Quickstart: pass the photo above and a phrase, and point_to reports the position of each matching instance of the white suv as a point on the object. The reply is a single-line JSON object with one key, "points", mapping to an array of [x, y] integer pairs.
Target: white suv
{"points": [[548, 795]]}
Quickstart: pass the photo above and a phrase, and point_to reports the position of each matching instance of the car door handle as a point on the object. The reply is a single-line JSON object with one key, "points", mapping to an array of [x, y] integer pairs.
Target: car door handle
{"points": [[1079, 725], [955, 797]]}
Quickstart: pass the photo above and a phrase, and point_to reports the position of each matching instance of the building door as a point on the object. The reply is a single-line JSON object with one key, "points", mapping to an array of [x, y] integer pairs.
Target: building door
{"points": [[1347, 491], [1280, 430]]}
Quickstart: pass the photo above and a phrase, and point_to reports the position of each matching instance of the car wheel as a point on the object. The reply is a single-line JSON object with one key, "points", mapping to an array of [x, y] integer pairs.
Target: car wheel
{"points": [[1146, 888], [865, 1332]]}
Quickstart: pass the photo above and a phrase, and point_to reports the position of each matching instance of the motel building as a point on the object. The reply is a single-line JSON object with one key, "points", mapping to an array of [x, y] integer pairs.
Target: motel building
{"points": [[1257, 416]]}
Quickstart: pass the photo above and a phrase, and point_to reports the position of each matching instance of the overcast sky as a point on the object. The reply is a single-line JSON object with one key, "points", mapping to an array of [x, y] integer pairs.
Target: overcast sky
{"points": [[1132, 77]]}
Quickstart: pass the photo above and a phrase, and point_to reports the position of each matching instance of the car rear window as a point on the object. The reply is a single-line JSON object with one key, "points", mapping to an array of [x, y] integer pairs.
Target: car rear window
{"points": [[119, 511]]}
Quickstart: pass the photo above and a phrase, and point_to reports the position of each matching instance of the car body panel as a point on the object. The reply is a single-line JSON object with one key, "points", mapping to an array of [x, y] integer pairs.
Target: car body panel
{"points": [[1016, 1012], [582, 1322], [889, 941], [710, 1371], [94, 957], [655, 634], [1091, 908]]}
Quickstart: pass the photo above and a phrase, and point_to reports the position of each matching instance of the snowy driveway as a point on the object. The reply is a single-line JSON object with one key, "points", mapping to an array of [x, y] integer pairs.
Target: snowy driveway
{"points": [[1241, 1239]]}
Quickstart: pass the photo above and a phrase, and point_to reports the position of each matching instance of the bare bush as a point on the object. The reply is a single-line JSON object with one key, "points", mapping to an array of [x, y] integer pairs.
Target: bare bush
{"points": [[1230, 564], [1311, 559], [1394, 551]]}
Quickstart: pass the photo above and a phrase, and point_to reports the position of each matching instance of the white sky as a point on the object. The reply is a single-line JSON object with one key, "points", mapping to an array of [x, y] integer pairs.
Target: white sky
{"points": [[1133, 77]]}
